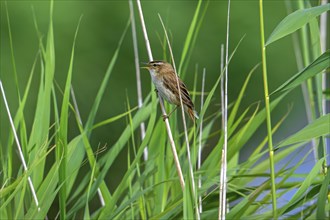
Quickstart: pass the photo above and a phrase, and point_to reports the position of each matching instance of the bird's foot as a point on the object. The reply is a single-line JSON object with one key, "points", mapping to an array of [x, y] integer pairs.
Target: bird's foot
{"points": [[165, 117]]}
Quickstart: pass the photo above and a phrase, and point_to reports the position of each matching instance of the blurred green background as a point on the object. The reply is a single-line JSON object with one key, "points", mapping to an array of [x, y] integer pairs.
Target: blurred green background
{"points": [[101, 27]]}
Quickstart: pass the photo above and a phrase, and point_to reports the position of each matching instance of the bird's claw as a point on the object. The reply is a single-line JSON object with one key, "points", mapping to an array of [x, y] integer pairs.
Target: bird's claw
{"points": [[165, 117]]}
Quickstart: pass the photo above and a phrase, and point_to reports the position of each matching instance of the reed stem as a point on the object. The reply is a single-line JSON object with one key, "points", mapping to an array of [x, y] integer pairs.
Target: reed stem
{"points": [[267, 107]]}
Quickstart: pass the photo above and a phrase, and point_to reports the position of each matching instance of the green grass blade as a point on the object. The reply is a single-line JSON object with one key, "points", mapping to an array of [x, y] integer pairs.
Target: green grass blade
{"points": [[306, 184], [322, 198], [314, 32], [115, 118], [239, 209], [315, 129], [183, 70], [188, 202], [39, 133], [189, 36], [111, 155], [47, 191], [315, 41], [12, 53], [156, 148], [317, 66], [86, 211], [75, 156], [105, 80], [21, 195], [141, 201], [240, 96], [8, 193], [61, 140], [19, 119], [170, 212], [92, 162], [296, 20], [131, 200], [235, 141]]}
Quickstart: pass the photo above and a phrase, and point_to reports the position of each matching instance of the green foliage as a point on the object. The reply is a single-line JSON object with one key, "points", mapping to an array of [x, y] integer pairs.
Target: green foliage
{"points": [[72, 178], [317, 128], [316, 67], [296, 20]]}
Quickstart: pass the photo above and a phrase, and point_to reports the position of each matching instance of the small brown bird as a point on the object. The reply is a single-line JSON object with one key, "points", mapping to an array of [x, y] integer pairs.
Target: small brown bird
{"points": [[164, 79]]}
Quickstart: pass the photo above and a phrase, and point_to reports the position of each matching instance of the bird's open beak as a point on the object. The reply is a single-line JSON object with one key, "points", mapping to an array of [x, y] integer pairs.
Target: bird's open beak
{"points": [[144, 67]]}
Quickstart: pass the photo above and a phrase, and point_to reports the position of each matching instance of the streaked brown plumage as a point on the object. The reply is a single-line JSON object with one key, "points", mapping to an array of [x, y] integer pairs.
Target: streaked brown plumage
{"points": [[164, 79]]}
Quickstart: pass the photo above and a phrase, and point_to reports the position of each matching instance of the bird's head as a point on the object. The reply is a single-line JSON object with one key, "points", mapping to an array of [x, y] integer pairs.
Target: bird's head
{"points": [[158, 67]]}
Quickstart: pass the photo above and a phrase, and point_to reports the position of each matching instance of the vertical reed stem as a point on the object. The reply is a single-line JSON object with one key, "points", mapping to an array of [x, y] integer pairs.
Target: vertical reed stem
{"points": [[161, 102], [199, 162], [138, 76], [267, 106]]}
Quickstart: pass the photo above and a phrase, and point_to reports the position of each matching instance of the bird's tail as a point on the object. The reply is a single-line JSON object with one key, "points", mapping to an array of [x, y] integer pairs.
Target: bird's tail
{"points": [[192, 114]]}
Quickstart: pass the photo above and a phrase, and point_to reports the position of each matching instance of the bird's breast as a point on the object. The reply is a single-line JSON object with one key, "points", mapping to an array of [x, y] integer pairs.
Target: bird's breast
{"points": [[165, 93]]}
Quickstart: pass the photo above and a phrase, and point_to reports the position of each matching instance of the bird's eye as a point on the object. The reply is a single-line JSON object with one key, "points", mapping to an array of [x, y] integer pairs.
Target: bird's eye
{"points": [[154, 65]]}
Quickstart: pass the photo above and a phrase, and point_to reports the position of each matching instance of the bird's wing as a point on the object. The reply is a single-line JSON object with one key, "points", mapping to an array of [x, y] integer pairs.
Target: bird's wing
{"points": [[171, 84]]}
